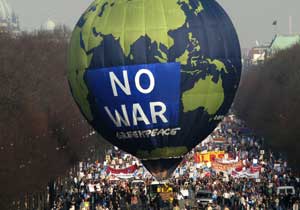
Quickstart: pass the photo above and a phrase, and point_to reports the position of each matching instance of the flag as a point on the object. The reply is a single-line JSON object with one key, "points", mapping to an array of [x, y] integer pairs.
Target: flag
{"points": [[274, 23]]}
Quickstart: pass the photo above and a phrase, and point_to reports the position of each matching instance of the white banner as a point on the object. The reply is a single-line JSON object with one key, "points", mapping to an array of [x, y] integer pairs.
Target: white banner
{"points": [[245, 174], [125, 176]]}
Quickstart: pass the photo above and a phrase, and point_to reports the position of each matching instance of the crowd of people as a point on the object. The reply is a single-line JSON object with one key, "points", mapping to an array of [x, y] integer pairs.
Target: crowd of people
{"points": [[245, 176]]}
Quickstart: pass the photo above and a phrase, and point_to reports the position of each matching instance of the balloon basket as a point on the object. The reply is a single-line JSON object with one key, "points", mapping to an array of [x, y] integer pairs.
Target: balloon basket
{"points": [[162, 169]]}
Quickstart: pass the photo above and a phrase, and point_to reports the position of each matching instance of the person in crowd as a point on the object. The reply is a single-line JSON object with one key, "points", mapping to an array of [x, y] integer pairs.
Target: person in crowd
{"points": [[92, 187]]}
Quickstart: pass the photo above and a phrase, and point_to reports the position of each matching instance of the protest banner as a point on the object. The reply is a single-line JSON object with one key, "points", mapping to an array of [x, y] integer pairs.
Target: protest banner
{"points": [[208, 156], [245, 174], [225, 167], [128, 170]]}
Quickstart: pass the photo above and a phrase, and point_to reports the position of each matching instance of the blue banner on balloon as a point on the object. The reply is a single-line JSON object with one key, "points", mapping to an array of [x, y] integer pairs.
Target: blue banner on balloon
{"points": [[136, 97]]}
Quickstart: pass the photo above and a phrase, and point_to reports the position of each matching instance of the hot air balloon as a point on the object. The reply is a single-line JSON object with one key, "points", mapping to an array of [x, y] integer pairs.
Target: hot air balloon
{"points": [[154, 77]]}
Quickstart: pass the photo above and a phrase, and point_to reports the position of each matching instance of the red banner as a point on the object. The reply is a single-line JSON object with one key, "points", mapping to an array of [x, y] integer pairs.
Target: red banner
{"points": [[255, 168], [127, 170]]}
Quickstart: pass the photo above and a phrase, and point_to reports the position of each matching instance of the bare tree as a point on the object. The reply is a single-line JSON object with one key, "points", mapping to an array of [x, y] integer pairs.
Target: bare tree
{"points": [[41, 128], [269, 100]]}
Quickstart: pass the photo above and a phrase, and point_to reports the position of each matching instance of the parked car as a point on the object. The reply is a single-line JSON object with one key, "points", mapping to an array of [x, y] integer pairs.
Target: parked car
{"points": [[137, 183], [285, 190], [203, 198]]}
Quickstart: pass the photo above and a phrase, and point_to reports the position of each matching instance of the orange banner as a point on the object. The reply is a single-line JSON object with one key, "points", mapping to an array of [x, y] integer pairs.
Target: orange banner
{"points": [[217, 166], [208, 156]]}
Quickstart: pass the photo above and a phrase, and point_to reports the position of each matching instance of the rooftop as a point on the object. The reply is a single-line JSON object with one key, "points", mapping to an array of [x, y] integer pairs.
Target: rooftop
{"points": [[5, 11], [281, 42]]}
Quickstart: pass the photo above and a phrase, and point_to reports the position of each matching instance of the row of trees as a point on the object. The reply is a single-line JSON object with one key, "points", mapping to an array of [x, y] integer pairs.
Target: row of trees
{"points": [[269, 100], [41, 128]]}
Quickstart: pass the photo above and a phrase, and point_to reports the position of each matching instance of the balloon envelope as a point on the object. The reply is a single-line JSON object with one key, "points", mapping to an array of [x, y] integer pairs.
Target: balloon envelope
{"points": [[154, 77]]}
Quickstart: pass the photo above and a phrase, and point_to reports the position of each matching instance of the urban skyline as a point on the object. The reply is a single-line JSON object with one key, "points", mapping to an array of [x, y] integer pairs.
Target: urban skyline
{"points": [[252, 19]]}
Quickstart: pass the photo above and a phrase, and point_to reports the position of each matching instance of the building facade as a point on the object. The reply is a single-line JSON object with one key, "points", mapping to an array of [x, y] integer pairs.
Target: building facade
{"points": [[258, 55], [282, 42], [9, 21]]}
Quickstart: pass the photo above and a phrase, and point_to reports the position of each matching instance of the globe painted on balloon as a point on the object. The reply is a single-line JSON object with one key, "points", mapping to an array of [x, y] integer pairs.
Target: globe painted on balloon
{"points": [[154, 77]]}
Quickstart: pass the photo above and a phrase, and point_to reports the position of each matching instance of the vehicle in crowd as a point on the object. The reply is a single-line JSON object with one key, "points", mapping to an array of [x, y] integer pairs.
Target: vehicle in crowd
{"points": [[162, 188], [137, 183], [285, 190], [109, 190], [203, 198]]}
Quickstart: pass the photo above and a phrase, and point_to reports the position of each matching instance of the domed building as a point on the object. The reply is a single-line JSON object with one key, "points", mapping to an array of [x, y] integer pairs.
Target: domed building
{"points": [[9, 21], [49, 25]]}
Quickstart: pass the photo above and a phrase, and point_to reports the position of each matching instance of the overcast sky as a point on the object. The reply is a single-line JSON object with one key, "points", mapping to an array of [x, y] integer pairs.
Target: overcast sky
{"points": [[252, 18]]}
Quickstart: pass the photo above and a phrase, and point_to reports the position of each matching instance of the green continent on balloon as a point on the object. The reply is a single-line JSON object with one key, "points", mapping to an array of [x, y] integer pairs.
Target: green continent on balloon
{"points": [[206, 94], [79, 61], [198, 9], [130, 20], [129, 34], [126, 21], [164, 152]]}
